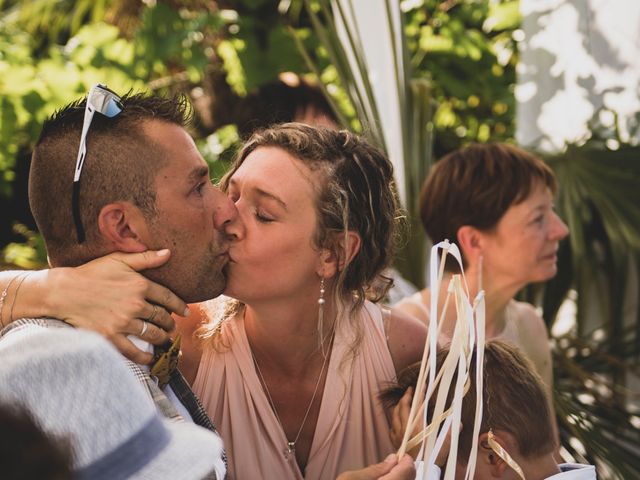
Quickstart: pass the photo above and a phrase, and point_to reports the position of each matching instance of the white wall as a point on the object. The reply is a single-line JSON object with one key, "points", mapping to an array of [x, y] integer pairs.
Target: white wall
{"points": [[576, 56]]}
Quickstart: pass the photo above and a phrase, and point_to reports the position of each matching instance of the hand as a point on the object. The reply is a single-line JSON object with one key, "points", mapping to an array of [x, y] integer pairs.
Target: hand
{"points": [[400, 418], [109, 296], [389, 469]]}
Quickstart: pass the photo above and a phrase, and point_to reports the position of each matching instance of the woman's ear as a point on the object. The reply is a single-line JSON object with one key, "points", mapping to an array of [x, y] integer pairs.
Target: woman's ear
{"points": [[470, 242], [123, 227], [334, 261]]}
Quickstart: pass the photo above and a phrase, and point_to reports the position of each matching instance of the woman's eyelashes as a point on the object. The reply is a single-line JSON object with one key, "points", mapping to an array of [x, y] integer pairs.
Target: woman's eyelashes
{"points": [[263, 217], [258, 212]]}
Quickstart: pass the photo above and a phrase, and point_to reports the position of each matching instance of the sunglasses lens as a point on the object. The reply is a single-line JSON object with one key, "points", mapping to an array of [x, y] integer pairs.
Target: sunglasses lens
{"points": [[113, 108], [104, 101]]}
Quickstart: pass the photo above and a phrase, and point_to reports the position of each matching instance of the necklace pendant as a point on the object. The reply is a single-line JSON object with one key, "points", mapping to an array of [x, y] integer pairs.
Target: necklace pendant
{"points": [[290, 450]]}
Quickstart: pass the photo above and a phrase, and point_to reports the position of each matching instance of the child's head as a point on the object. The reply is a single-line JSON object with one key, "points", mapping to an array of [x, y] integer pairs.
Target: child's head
{"points": [[515, 406]]}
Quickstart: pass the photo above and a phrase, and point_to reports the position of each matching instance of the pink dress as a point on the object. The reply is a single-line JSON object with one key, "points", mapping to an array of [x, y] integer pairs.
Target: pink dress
{"points": [[352, 430]]}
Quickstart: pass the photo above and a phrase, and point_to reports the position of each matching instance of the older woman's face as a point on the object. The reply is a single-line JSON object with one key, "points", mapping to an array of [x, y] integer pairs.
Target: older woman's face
{"points": [[272, 252], [523, 247]]}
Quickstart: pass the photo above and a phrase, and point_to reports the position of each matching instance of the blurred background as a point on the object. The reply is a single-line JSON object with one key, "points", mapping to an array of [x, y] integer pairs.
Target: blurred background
{"points": [[419, 78]]}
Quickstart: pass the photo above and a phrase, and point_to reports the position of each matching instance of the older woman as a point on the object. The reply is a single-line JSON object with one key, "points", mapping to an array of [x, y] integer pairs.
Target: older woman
{"points": [[495, 202], [290, 372]]}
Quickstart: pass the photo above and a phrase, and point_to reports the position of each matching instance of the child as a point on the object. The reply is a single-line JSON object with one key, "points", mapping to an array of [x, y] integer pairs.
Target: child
{"points": [[516, 418]]}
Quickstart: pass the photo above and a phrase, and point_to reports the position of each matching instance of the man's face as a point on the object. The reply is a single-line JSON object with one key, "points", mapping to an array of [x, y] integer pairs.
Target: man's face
{"points": [[191, 215]]}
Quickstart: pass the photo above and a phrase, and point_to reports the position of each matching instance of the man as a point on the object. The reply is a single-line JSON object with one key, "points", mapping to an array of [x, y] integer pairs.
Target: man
{"points": [[139, 184]]}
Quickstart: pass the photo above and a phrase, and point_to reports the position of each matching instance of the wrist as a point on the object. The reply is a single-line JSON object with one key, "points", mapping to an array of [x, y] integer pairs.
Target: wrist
{"points": [[50, 285]]}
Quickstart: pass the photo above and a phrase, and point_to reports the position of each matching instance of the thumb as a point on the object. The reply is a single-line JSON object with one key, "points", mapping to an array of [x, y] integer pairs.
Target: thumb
{"points": [[143, 260], [379, 469]]}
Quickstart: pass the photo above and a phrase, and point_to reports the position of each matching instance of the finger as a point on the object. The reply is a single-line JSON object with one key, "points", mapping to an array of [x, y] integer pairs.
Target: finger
{"points": [[129, 350], [161, 318], [143, 260], [372, 472], [164, 297], [151, 333], [404, 470]]}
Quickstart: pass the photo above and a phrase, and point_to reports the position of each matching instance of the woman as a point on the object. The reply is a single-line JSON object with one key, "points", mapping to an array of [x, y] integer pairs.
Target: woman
{"points": [[495, 202], [292, 371]]}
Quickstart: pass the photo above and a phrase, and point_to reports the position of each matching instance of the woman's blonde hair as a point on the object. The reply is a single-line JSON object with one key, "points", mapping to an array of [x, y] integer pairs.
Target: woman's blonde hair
{"points": [[355, 193]]}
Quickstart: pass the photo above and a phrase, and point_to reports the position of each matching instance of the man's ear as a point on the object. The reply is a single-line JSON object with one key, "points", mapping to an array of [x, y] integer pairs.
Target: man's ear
{"points": [[488, 460], [334, 261], [123, 227]]}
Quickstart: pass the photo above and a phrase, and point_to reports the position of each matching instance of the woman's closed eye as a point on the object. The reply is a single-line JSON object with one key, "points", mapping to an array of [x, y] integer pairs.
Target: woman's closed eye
{"points": [[263, 217]]}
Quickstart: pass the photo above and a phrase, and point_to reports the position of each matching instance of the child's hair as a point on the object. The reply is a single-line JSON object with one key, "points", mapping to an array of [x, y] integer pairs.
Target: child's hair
{"points": [[514, 399]]}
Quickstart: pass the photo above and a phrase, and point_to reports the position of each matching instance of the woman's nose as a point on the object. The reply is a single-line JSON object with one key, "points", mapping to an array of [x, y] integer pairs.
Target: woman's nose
{"points": [[224, 210], [234, 228], [559, 229]]}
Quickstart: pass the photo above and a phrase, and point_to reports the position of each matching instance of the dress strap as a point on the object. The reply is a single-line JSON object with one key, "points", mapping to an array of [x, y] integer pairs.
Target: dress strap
{"points": [[386, 321]]}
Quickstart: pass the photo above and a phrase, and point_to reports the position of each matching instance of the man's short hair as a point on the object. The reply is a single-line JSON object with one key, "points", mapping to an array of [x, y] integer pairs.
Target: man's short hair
{"points": [[121, 164], [514, 397], [475, 186]]}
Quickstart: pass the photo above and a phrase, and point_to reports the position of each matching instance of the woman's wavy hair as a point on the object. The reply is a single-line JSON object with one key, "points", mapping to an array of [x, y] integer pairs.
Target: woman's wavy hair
{"points": [[355, 192]]}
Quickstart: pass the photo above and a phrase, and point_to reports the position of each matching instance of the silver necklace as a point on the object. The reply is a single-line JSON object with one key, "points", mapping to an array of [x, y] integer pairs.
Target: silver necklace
{"points": [[290, 449]]}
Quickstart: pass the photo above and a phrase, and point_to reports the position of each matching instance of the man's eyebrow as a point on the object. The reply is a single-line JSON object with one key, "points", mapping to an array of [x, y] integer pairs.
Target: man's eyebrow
{"points": [[198, 172], [263, 193]]}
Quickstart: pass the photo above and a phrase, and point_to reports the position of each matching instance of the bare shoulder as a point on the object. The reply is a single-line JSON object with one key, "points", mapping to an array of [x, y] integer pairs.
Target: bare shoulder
{"points": [[533, 337], [528, 321], [415, 306], [406, 338]]}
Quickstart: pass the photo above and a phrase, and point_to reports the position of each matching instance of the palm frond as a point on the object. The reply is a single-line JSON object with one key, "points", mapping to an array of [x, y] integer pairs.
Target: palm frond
{"points": [[595, 412], [335, 23]]}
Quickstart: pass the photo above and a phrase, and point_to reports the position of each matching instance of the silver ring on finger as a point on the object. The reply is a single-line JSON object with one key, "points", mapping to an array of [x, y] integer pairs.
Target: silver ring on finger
{"points": [[145, 326], [153, 314]]}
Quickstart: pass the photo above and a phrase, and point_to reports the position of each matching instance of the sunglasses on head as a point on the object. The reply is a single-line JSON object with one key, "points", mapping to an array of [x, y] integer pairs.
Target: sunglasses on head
{"points": [[102, 100]]}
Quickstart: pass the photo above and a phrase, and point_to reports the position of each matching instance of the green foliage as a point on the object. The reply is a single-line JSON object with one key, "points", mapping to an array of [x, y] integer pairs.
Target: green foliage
{"points": [[460, 74], [467, 52], [170, 41], [28, 255], [219, 148]]}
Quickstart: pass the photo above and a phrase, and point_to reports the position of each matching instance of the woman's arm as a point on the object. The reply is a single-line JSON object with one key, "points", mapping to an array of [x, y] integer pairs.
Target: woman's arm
{"points": [[106, 295]]}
